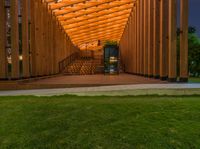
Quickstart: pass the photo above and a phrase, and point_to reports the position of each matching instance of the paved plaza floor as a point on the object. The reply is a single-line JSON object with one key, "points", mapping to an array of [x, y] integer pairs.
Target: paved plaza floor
{"points": [[64, 81]]}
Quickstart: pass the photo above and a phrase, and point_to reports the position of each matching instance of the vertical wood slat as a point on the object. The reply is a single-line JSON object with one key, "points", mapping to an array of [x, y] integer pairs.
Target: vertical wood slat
{"points": [[46, 54], [138, 35], [32, 38], [14, 40], [131, 40], [42, 39], [156, 39], [25, 42], [172, 40], [50, 39], [3, 55], [141, 37], [150, 38], [38, 38], [184, 41], [145, 54], [135, 38], [163, 39], [130, 44]]}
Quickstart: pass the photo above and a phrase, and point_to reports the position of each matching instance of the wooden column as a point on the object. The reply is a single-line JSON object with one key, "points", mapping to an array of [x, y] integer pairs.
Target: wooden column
{"points": [[14, 39], [126, 49], [37, 38], [150, 38], [135, 38], [129, 52], [172, 74], [131, 40], [32, 38], [25, 42], [141, 37], [163, 39], [50, 41], [3, 56], [184, 41], [145, 54], [131, 57], [138, 36], [156, 39], [40, 18]]}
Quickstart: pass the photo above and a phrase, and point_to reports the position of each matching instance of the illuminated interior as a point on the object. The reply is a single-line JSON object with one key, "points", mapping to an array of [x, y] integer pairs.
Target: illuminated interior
{"points": [[89, 22]]}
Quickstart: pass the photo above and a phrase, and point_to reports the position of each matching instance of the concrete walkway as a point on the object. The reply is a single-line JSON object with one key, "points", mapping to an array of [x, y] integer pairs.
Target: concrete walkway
{"points": [[120, 90]]}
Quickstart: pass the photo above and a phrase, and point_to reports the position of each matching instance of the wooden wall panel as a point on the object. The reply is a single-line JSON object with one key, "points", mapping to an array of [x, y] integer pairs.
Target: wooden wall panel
{"points": [[135, 39], [163, 39], [141, 37], [138, 35], [184, 41], [3, 55], [130, 44], [25, 40], [172, 40], [41, 42], [32, 39], [156, 39], [145, 35], [150, 38], [49, 43], [14, 40]]}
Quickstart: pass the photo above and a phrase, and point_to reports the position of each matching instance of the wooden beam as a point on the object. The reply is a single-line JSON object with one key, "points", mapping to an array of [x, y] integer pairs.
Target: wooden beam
{"points": [[25, 40], [3, 53], [109, 8], [184, 41], [103, 16], [81, 7], [14, 39], [172, 41], [79, 15], [93, 23]]}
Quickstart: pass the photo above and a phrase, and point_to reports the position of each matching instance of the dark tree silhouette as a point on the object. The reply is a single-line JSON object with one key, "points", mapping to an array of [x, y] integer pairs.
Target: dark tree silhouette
{"points": [[193, 51]]}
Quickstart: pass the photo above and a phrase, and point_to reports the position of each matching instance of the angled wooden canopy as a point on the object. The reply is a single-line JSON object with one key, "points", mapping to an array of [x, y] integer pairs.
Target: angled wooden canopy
{"points": [[86, 21]]}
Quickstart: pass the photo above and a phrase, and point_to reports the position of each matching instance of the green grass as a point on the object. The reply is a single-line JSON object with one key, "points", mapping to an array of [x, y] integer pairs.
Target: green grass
{"points": [[194, 80], [72, 122]]}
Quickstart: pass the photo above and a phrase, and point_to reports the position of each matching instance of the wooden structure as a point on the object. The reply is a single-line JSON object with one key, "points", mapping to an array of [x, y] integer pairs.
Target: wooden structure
{"points": [[148, 43], [52, 30]]}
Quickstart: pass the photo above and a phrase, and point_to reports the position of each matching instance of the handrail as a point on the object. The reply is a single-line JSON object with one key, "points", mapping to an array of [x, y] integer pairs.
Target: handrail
{"points": [[68, 60]]}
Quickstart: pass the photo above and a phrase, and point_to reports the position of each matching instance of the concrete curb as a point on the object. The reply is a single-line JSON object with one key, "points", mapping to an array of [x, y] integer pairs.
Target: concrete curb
{"points": [[117, 90]]}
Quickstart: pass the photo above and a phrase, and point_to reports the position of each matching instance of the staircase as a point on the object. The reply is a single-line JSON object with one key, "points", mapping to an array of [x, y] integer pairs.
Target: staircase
{"points": [[82, 66]]}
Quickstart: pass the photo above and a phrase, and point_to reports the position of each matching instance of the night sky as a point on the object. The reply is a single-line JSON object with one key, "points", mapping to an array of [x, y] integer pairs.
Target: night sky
{"points": [[194, 15]]}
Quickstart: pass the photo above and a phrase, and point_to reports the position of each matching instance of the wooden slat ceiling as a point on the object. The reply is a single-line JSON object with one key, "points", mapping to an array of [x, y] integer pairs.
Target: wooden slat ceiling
{"points": [[89, 21]]}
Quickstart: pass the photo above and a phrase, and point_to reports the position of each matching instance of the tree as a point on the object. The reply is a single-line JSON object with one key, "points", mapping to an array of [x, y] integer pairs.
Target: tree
{"points": [[193, 51]]}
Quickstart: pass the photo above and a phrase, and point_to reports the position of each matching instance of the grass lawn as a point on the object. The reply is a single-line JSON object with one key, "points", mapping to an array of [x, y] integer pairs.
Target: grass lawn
{"points": [[194, 80], [100, 122]]}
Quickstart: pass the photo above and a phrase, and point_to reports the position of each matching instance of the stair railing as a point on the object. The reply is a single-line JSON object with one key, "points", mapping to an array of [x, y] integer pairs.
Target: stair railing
{"points": [[68, 60]]}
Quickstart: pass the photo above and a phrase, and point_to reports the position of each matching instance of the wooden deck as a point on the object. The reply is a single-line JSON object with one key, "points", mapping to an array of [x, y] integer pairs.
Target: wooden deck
{"points": [[78, 81]]}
